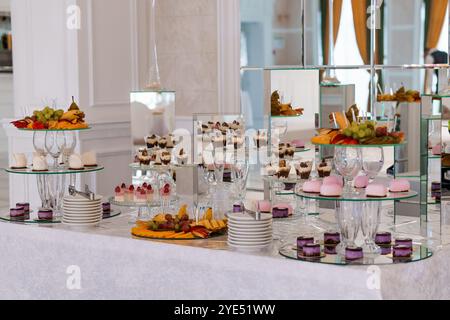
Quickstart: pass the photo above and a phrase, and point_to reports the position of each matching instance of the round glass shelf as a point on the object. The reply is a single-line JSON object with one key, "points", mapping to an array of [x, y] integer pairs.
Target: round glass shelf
{"points": [[419, 253], [52, 171], [160, 168], [290, 180], [281, 116], [132, 204], [34, 219], [361, 145], [300, 150], [361, 197], [53, 130]]}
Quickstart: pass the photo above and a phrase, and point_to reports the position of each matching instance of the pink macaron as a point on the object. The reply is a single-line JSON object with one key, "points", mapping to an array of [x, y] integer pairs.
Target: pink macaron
{"points": [[361, 182], [312, 186], [399, 185], [333, 180]]}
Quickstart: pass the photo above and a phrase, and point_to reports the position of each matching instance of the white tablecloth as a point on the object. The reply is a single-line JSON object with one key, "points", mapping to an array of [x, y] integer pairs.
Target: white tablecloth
{"points": [[36, 264]]}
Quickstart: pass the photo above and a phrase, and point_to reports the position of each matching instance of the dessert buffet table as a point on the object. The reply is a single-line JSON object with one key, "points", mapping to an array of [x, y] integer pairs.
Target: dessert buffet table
{"points": [[39, 263]]}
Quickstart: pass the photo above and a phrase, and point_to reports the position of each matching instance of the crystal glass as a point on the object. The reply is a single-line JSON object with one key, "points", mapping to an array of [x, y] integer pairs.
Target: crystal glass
{"points": [[39, 143], [239, 177], [370, 221], [372, 161], [279, 127], [54, 144], [348, 216], [348, 162], [70, 144]]}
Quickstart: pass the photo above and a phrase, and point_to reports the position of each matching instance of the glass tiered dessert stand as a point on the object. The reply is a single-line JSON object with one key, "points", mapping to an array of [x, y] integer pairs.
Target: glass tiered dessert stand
{"points": [[52, 183]]}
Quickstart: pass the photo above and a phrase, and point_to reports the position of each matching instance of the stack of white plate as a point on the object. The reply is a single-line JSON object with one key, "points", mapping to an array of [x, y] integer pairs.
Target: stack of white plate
{"points": [[82, 212], [244, 232]]}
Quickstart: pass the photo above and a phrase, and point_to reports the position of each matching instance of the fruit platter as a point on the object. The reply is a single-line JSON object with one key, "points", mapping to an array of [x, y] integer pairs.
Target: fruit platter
{"points": [[180, 226], [357, 132], [283, 109], [402, 95], [51, 119]]}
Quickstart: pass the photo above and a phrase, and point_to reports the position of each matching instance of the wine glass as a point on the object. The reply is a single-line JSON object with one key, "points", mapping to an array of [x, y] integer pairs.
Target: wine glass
{"points": [[239, 177], [279, 128], [348, 162], [39, 143], [54, 144], [69, 147], [348, 216], [372, 161], [370, 221]]}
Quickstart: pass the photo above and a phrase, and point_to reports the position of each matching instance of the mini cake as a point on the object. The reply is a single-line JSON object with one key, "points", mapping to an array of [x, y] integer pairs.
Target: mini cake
{"points": [[333, 180], [324, 169], [129, 194], [331, 190], [170, 144], [331, 238], [20, 161], [226, 176], [237, 208], [284, 170], [436, 150], [298, 144], [399, 185], [404, 242], [302, 241], [75, 162], [205, 129], [376, 191], [361, 182], [264, 206], [182, 157], [353, 253], [311, 250], [143, 157], [312, 186], [166, 157], [280, 212], [165, 191], [106, 207], [17, 213], [385, 250], [141, 195], [162, 143], [152, 141], [304, 169], [89, 159], [25, 206], [39, 164], [289, 151], [401, 251], [45, 214], [383, 238]]}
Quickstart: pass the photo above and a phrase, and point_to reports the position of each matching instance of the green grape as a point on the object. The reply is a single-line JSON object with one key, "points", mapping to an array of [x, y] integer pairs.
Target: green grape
{"points": [[348, 132], [361, 134], [355, 136], [368, 132]]}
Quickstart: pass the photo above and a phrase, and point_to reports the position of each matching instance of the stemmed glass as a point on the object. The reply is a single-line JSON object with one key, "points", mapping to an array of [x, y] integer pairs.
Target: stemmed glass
{"points": [[39, 143], [348, 162], [239, 177], [279, 128], [54, 144], [69, 147], [372, 161], [348, 216], [370, 222]]}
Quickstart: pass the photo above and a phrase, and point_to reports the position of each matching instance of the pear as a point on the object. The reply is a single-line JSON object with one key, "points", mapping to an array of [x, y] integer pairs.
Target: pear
{"points": [[73, 106]]}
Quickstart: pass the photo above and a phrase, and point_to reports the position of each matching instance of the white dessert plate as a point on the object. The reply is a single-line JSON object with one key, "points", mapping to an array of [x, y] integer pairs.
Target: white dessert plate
{"points": [[82, 210], [250, 231], [79, 198], [248, 241], [249, 246], [243, 224], [82, 203], [84, 214], [82, 221], [80, 224], [249, 235], [247, 217], [81, 216]]}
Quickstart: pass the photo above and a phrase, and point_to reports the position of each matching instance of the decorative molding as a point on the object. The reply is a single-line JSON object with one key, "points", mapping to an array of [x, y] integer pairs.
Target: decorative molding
{"points": [[229, 34]]}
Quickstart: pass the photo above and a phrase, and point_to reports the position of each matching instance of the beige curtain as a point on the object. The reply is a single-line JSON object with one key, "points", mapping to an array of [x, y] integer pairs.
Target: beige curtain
{"points": [[337, 9], [438, 9], [362, 32]]}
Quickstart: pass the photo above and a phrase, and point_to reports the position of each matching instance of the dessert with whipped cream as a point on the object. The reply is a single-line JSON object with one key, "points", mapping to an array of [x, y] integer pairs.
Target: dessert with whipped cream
{"points": [[324, 169], [399, 185], [40, 163], [75, 162], [152, 141], [331, 190], [89, 159], [284, 170], [361, 182], [304, 169], [20, 161], [143, 157], [312, 186], [376, 190], [182, 157], [166, 157]]}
